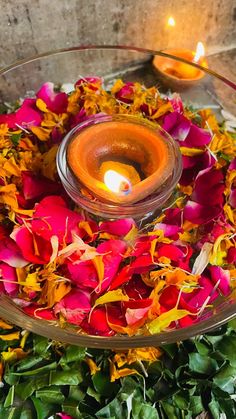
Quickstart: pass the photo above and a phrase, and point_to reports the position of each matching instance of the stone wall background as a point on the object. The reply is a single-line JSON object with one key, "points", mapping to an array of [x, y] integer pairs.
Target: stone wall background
{"points": [[29, 27]]}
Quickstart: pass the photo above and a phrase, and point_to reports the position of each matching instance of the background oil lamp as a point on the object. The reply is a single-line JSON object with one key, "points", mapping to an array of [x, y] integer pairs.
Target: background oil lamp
{"points": [[119, 166], [176, 72]]}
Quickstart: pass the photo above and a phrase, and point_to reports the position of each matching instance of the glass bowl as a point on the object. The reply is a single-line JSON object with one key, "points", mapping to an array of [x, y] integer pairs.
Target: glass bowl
{"points": [[132, 65]]}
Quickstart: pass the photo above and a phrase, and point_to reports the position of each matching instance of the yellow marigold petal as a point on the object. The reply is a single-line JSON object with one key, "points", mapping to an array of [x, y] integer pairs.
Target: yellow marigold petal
{"points": [[99, 266], [31, 282], [11, 167], [116, 374], [111, 296], [165, 319], [53, 291], [92, 365], [49, 167], [41, 105], [8, 195], [13, 354], [187, 190], [1, 370], [86, 227], [120, 359], [149, 354], [43, 134], [117, 86], [107, 236], [190, 152], [162, 110], [10, 336], [132, 234], [4, 325], [24, 338]]}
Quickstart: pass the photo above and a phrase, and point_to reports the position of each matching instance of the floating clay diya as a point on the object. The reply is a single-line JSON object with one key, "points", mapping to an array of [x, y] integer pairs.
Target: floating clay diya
{"points": [[120, 162], [179, 72]]}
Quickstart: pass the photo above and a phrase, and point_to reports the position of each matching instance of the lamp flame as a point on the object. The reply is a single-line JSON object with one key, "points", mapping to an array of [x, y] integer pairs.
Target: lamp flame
{"points": [[116, 182], [200, 52], [171, 21]]}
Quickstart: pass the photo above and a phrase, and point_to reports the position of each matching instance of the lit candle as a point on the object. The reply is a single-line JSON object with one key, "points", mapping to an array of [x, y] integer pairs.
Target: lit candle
{"points": [[177, 71], [121, 161]]}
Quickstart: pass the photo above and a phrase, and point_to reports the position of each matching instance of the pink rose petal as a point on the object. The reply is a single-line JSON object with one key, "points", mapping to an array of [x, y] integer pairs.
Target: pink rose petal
{"points": [[184, 131], [34, 248], [113, 251], [35, 186], [9, 119], [126, 93], [177, 126], [232, 165], [36, 311], [53, 218], [232, 198], [231, 255], [8, 274], [197, 298], [28, 115], [193, 165], [168, 229], [117, 227], [11, 254], [74, 306], [200, 214], [222, 275], [134, 315], [209, 187], [55, 102], [83, 274], [97, 323]]}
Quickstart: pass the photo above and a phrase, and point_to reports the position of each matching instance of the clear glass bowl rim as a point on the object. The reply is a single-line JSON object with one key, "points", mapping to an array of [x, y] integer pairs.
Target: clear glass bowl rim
{"points": [[49, 330]]}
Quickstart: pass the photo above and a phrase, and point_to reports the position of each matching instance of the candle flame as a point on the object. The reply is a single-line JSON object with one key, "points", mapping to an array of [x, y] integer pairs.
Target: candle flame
{"points": [[116, 182], [200, 52], [171, 21]]}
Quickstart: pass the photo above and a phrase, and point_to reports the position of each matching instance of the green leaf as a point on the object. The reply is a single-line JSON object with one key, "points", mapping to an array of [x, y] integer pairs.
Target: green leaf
{"points": [[181, 400], [214, 408], [103, 385], [202, 348], [41, 345], [10, 397], [26, 389], [26, 413], [143, 410], [46, 367], [16, 413], [225, 378], [28, 362], [114, 410], [94, 394], [10, 378], [232, 325], [202, 364], [68, 377], [196, 405], [43, 410], [72, 354], [171, 349], [76, 394], [15, 138], [170, 410], [50, 394], [227, 347]]}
